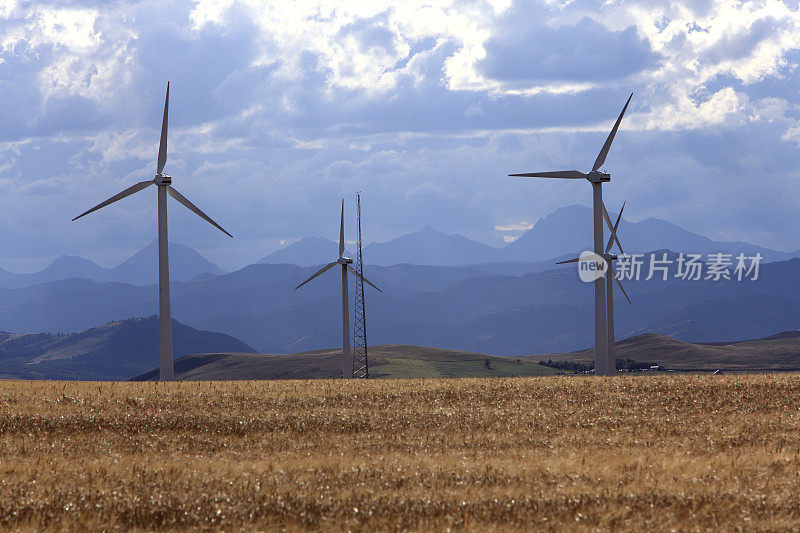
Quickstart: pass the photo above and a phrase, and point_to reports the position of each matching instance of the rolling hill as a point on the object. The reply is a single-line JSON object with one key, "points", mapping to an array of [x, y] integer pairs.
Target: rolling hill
{"points": [[394, 361], [776, 352], [116, 350]]}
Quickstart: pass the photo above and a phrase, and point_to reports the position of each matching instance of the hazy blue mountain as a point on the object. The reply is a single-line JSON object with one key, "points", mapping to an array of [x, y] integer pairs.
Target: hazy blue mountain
{"points": [[307, 252], [115, 350], [564, 233], [140, 269], [448, 307], [567, 231], [63, 267], [429, 247], [68, 266]]}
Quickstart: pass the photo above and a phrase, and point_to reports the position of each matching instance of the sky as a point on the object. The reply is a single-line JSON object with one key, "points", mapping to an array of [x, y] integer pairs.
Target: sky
{"points": [[279, 110]]}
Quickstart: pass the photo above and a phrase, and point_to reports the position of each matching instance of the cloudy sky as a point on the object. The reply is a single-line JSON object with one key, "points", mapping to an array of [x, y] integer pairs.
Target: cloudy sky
{"points": [[281, 109]]}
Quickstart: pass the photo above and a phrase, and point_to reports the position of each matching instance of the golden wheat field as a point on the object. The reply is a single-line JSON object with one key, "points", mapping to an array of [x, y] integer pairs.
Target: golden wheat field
{"points": [[643, 453]]}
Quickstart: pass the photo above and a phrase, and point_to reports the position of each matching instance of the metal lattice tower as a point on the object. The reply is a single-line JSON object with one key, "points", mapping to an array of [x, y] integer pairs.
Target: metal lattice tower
{"points": [[360, 360]]}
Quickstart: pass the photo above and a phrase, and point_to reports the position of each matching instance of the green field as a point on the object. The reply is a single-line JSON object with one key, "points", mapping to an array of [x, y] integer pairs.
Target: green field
{"points": [[392, 361], [776, 353]]}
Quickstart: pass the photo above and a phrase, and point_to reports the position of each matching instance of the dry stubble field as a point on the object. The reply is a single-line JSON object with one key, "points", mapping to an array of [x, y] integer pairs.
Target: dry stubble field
{"points": [[660, 452]]}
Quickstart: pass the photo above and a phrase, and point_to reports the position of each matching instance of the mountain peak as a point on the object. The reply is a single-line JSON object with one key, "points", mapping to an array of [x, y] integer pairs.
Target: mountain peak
{"points": [[70, 260], [430, 230], [185, 264], [308, 251], [70, 266], [429, 246], [574, 208]]}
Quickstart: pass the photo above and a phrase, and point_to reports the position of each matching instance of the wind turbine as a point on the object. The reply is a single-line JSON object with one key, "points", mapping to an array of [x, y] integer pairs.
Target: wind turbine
{"points": [[163, 182], [610, 258], [596, 178], [347, 265]]}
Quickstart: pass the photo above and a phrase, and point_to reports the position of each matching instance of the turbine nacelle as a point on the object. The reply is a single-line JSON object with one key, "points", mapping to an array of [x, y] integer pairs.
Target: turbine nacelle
{"points": [[162, 179], [595, 176], [342, 260]]}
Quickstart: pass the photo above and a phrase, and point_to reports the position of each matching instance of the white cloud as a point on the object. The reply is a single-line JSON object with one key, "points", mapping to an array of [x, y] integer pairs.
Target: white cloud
{"points": [[518, 226], [296, 104]]}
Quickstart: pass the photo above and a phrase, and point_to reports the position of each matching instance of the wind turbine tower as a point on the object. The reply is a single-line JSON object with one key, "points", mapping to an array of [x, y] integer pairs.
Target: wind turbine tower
{"points": [[596, 178], [610, 258], [164, 184], [347, 266]]}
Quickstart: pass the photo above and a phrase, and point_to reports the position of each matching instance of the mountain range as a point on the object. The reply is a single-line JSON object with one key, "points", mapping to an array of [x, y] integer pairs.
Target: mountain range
{"points": [[461, 308], [505, 307], [140, 269], [565, 232], [561, 234]]}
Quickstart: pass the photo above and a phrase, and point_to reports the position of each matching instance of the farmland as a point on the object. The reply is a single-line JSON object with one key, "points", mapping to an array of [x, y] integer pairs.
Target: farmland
{"points": [[643, 452]]}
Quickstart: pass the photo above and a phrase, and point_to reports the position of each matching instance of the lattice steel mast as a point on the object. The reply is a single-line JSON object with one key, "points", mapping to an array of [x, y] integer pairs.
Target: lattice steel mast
{"points": [[360, 360]]}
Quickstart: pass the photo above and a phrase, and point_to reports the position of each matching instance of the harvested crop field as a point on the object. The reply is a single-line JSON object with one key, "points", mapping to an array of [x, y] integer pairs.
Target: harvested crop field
{"points": [[655, 452]]}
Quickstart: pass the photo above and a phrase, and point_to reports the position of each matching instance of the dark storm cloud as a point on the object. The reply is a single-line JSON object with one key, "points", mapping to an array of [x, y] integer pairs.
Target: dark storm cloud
{"points": [[586, 51]]}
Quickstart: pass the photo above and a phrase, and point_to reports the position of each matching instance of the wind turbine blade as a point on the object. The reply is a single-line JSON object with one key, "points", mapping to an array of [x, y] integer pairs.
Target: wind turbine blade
{"points": [[601, 157], [616, 225], [354, 271], [178, 196], [127, 192], [620, 286], [162, 146], [566, 174], [320, 271], [611, 228], [341, 233], [569, 261]]}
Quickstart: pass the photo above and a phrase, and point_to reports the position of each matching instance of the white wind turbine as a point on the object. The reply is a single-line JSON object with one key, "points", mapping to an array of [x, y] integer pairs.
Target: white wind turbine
{"points": [[346, 262], [163, 182], [596, 178], [610, 258]]}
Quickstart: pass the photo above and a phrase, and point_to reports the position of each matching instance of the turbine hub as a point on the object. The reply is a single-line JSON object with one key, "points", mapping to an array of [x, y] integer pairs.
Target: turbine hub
{"points": [[162, 179], [344, 261], [595, 176]]}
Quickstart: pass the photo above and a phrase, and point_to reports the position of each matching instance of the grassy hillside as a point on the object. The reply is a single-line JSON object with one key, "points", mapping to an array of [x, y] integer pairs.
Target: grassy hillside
{"points": [[657, 453], [393, 361], [116, 350], [777, 352]]}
